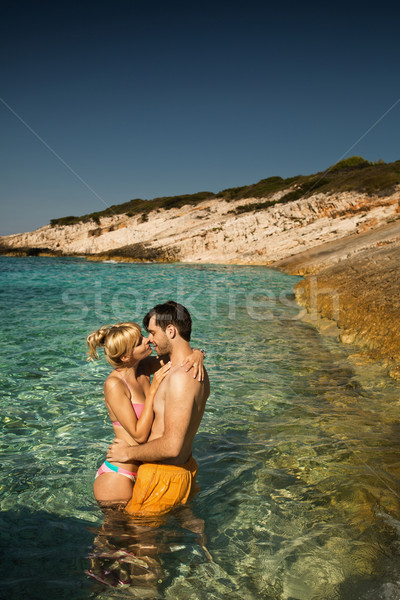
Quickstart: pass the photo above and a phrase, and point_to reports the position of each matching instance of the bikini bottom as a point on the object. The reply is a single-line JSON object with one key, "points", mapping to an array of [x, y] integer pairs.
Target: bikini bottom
{"points": [[108, 467]]}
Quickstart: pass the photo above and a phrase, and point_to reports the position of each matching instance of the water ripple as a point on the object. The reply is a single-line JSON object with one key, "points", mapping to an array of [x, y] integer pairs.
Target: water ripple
{"points": [[298, 450]]}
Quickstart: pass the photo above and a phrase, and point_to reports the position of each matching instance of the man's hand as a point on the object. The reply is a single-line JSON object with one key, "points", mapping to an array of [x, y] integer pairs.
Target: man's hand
{"points": [[117, 452]]}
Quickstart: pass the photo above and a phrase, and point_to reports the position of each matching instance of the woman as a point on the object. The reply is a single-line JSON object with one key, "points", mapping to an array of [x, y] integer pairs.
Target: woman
{"points": [[129, 400]]}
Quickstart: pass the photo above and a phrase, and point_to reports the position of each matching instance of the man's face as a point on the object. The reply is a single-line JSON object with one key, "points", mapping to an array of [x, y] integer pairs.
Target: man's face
{"points": [[158, 338]]}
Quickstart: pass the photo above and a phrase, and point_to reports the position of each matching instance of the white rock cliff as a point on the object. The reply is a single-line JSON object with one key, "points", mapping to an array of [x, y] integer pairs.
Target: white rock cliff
{"points": [[211, 232]]}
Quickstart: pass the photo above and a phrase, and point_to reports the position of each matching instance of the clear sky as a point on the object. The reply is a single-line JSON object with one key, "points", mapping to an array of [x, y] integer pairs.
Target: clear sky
{"points": [[105, 101]]}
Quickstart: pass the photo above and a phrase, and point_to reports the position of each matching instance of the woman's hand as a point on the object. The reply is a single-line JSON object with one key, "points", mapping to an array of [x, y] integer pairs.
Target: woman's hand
{"points": [[159, 376], [195, 361], [118, 451]]}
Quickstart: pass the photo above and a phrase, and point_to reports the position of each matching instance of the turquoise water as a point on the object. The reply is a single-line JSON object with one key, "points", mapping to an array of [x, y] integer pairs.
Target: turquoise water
{"points": [[298, 450]]}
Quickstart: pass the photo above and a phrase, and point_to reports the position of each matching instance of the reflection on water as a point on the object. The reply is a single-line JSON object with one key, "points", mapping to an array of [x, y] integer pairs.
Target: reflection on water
{"points": [[298, 450], [127, 553]]}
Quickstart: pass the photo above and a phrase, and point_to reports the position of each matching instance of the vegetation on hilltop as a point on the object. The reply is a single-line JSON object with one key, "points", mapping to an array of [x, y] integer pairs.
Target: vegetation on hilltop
{"points": [[136, 207], [352, 174]]}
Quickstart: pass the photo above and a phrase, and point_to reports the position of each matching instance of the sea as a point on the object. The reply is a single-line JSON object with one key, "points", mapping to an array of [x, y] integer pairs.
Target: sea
{"points": [[298, 450]]}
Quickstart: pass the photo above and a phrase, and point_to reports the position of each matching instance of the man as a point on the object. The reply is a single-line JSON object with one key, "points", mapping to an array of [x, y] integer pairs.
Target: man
{"points": [[169, 471]]}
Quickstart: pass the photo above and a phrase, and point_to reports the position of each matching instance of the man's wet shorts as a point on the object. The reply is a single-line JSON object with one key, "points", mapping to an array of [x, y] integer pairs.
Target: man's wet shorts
{"points": [[160, 487]]}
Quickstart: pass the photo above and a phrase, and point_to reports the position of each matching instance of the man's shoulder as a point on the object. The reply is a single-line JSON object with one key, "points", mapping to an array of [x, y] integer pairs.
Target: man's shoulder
{"points": [[182, 379], [179, 372]]}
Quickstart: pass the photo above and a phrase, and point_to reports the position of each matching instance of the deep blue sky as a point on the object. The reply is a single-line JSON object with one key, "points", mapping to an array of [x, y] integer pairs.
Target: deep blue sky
{"points": [[146, 99]]}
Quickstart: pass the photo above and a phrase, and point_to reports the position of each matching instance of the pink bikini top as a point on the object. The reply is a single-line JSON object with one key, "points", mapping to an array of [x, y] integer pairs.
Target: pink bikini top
{"points": [[137, 408]]}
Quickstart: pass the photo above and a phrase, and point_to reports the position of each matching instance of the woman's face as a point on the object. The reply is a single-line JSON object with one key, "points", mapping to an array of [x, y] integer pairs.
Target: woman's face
{"points": [[142, 349]]}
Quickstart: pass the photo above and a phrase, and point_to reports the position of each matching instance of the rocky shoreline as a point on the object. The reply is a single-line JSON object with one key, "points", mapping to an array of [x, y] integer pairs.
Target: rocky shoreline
{"points": [[355, 283], [346, 245]]}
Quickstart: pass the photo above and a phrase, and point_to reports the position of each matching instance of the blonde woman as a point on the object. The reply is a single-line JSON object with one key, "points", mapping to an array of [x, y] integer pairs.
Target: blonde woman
{"points": [[129, 397]]}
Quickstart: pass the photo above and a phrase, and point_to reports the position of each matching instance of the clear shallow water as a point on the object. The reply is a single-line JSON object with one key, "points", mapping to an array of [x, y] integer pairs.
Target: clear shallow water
{"points": [[298, 449]]}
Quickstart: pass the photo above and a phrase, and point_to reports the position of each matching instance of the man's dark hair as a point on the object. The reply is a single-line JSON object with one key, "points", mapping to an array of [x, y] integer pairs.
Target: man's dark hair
{"points": [[171, 313]]}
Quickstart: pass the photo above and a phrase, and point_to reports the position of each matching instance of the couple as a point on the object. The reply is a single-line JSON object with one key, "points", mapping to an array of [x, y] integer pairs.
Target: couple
{"points": [[149, 467]]}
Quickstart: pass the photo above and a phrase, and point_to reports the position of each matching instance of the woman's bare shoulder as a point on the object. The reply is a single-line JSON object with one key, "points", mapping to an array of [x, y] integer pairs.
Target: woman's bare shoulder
{"points": [[113, 382]]}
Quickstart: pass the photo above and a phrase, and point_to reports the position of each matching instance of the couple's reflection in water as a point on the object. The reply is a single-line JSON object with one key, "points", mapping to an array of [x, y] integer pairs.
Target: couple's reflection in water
{"points": [[127, 550]]}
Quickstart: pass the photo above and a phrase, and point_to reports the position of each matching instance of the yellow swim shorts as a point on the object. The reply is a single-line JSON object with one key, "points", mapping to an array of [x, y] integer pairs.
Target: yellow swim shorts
{"points": [[160, 487]]}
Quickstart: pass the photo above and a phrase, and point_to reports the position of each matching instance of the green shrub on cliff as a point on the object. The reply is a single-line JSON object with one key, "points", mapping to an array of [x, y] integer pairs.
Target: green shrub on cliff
{"points": [[263, 188], [379, 178], [137, 207], [351, 174], [354, 174], [353, 162]]}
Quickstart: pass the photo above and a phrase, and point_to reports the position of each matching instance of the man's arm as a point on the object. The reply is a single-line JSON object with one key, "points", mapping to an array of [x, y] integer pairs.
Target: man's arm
{"points": [[177, 416]]}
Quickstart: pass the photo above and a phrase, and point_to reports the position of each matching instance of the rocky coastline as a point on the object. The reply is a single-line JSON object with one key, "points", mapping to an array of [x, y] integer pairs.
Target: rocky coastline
{"points": [[346, 245], [355, 283]]}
